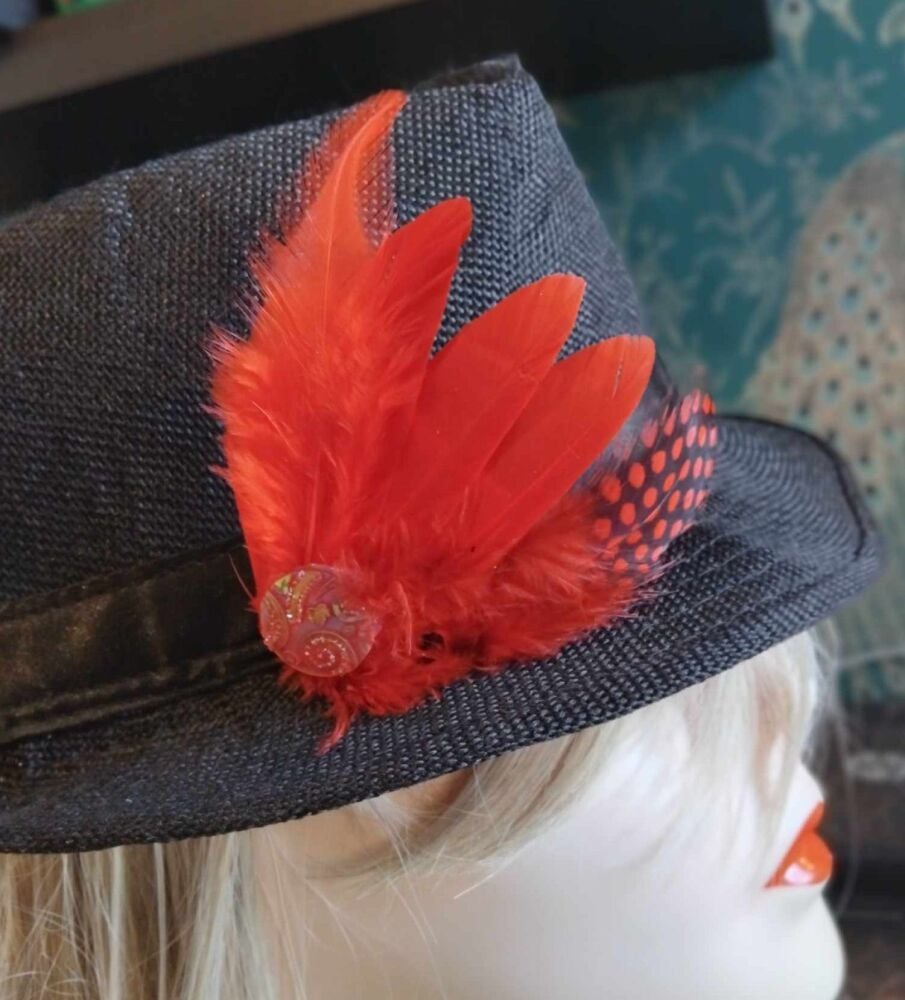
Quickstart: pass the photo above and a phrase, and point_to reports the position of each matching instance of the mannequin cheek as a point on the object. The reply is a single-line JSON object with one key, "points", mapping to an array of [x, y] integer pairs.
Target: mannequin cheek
{"points": [[632, 814], [644, 822]]}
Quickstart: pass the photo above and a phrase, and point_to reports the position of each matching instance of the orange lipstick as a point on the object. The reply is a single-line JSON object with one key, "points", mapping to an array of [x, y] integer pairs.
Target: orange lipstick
{"points": [[808, 861]]}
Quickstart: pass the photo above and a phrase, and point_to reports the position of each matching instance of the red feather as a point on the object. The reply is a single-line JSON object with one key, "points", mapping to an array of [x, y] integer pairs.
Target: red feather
{"points": [[477, 387], [578, 410], [332, 368], [460, 501]]}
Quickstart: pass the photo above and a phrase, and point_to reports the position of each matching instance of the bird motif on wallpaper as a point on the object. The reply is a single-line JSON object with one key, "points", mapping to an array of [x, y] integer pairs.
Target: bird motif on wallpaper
{"points": [[841, 12], [837, 365], [793, 21], [891, 29]]}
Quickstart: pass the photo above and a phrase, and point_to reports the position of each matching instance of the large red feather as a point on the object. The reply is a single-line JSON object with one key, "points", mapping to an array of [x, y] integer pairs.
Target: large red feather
{"points": [[335, 356], [454, 510]]}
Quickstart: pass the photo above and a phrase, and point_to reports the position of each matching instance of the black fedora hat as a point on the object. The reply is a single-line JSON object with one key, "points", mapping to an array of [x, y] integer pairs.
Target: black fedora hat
{"points": [[138, 701]]}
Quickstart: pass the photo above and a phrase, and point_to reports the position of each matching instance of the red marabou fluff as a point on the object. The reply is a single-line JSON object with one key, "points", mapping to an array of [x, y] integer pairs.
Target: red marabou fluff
{"points": [[444, 485]]}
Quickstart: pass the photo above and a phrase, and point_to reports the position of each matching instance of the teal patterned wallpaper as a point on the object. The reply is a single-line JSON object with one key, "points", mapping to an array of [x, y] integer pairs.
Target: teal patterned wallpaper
{"points": [[762, 214]]}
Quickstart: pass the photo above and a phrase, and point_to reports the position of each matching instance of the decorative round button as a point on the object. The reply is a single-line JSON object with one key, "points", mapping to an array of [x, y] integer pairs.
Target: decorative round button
{"points": [[307, 621]]}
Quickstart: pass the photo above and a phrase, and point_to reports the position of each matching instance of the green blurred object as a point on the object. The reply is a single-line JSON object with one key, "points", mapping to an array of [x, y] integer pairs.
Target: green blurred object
{"points": [[73, 6]]}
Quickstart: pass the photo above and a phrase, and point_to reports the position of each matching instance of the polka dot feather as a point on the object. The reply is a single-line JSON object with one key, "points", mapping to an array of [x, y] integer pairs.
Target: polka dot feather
{"points": [[658, 486]]}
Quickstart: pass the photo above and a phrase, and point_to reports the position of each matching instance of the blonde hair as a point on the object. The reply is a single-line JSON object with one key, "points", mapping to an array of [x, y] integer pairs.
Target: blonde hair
{"points": [[186, 921]]}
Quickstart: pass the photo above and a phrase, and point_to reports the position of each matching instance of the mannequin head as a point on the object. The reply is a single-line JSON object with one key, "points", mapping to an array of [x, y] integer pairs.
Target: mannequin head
{"points": [[626, 861], [630, 860]]}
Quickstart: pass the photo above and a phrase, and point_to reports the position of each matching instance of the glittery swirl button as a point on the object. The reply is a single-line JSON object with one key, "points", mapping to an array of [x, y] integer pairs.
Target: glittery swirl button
{"points": [[308, 622]]}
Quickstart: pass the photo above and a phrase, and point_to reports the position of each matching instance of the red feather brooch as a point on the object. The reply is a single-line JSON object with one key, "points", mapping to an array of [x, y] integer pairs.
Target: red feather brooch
{"points": [[410, 518]]}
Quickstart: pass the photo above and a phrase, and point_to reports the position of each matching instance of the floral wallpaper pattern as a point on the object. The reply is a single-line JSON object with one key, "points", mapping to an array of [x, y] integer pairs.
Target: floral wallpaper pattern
{"points": [[762, 214]]}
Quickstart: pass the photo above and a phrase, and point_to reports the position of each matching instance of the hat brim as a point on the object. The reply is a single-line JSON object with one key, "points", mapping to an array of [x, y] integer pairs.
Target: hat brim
{"points": [[786, 540]]}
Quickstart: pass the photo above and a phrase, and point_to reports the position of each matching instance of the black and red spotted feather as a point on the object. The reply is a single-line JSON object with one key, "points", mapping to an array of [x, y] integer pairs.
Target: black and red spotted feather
{"points": [[656, 484], [409, 518]]}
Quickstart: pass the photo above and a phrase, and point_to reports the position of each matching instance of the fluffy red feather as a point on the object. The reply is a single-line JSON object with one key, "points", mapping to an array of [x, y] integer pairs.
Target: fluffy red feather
{"points": [[442, 489]]}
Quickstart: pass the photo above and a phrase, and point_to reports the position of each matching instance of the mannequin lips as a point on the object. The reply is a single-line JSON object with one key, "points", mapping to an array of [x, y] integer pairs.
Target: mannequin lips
{"points": [[808, 861]]}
